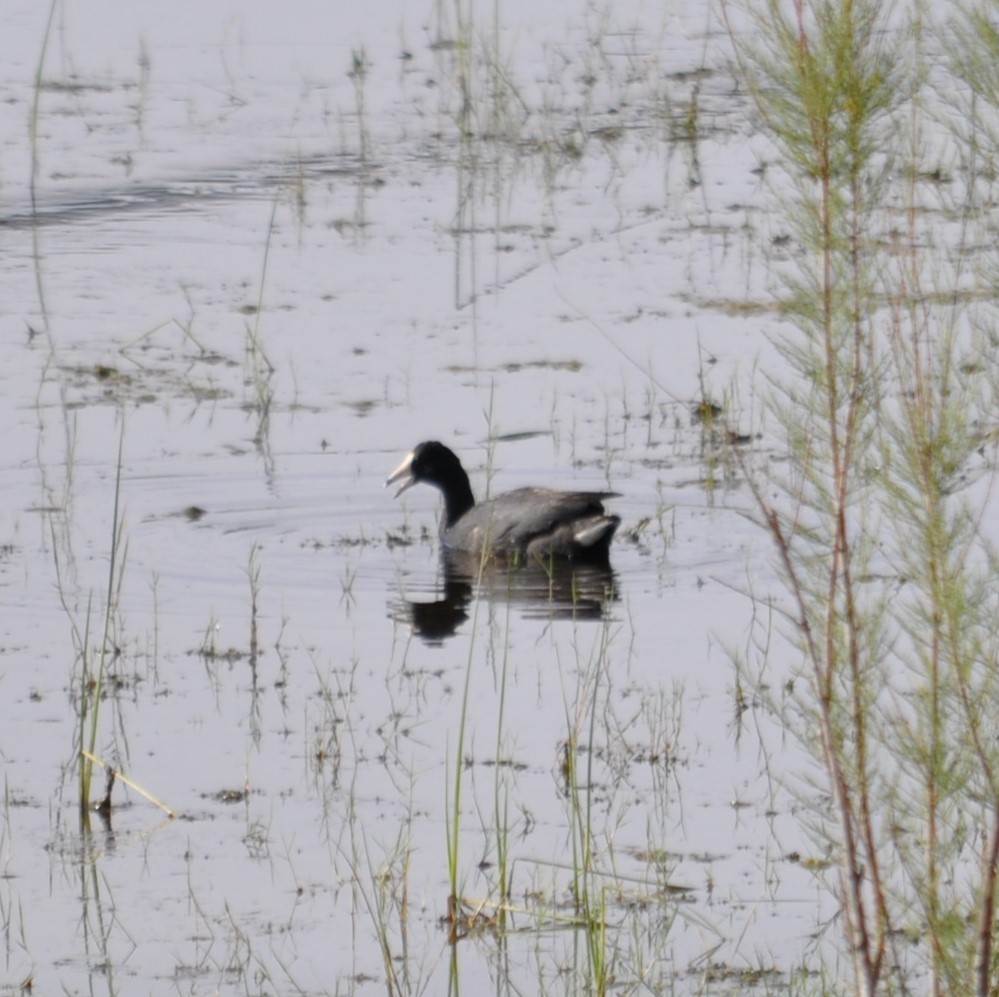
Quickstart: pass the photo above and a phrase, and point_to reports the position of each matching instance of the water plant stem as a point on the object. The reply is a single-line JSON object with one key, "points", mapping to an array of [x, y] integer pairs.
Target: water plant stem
{"points": [[92, 685]]}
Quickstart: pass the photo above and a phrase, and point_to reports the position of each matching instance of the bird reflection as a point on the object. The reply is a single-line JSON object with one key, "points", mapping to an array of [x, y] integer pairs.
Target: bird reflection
{"points": [[552, 591]]}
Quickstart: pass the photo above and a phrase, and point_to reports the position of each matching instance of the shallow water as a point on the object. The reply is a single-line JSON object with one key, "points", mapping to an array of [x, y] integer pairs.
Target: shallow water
{"points": [[270, 278]]}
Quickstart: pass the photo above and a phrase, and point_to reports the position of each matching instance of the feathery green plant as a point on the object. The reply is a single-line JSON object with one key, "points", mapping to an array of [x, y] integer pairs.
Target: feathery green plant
{"points": [[889, 580]]}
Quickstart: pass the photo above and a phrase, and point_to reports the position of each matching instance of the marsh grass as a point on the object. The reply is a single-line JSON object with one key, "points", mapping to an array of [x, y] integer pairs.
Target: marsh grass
{"points": [[591, 102], [877, 519], [91, 684]]}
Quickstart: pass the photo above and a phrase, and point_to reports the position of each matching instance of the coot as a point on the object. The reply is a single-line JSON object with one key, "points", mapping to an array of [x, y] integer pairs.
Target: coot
{"points": [[525, 523]]}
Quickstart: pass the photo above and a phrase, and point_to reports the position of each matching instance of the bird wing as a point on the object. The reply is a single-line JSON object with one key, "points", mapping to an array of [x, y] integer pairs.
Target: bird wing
{"points": [[519, 517]]}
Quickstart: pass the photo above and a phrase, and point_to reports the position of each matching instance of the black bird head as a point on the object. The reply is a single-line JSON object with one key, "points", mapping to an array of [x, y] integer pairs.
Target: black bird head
{"points": [[429, 462], [434, 464]]}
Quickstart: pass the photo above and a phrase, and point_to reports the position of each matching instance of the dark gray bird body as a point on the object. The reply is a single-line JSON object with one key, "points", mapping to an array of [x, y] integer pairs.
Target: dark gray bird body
{"points": [[526, 523]]}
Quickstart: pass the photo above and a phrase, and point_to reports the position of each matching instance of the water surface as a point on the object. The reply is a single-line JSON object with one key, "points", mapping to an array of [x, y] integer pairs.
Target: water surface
{"points": [[268, 250]]}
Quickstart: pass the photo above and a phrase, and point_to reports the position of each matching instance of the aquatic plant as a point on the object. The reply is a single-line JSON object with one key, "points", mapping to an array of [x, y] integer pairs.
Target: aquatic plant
{"points": [[888, 577], [91, 682]]}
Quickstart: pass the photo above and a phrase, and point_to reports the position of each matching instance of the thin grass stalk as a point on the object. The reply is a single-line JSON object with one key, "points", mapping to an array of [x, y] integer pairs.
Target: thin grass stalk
{"points": [[261, 369], [986, 924], [501, 798], [35, 168], [368, 888], [578, 836], [86, 765], [36, 104], [358, 76], [590, 914], [454, 804], [594, 923]]}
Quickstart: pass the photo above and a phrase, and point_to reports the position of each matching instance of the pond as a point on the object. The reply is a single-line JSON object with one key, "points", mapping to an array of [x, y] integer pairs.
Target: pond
{"points": [[253, 255]]}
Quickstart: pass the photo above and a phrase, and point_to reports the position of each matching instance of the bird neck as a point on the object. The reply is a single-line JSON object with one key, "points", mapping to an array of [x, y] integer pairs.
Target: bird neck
{"points": [[458, 499]]}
